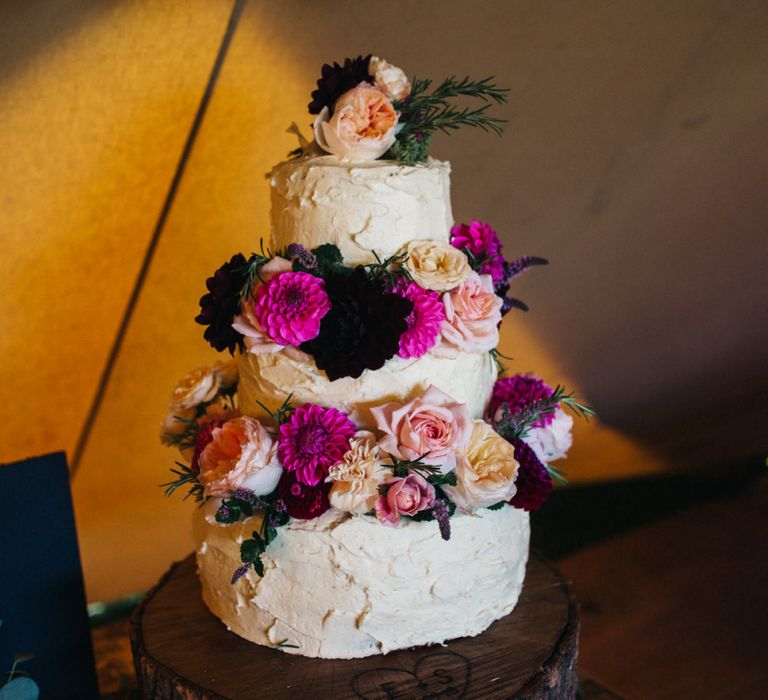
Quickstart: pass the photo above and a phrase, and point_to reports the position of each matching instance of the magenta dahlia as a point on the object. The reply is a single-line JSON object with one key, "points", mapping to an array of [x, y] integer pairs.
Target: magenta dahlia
{"points": [[533, 482], [290, 306], [312, 440], [519, 392], [424, 321], [484, 245]]}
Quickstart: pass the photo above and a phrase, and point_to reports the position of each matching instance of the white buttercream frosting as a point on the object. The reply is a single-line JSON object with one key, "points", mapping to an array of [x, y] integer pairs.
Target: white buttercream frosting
{"points": [[343, 586], [360, 206], [467, 378]]}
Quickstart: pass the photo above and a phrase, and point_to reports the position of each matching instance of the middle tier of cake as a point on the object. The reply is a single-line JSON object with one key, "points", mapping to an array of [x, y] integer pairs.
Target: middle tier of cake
{"points": [[268, 379]]}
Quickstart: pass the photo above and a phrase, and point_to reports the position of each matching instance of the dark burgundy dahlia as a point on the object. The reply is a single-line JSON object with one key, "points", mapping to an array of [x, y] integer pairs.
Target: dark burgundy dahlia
{"points": [[363, 328], [222, 303], [533, 482], [336, 80], [301, 500]]}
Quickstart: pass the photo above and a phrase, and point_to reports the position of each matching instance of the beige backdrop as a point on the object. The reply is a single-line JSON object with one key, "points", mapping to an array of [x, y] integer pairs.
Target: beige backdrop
{"points": [[635, 159]]}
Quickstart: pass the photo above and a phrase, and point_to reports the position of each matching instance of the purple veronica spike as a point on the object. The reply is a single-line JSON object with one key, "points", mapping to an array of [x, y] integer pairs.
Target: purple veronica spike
{"points": [[515, 267], [223, 513], [441, 514], [296, 251], [244, 495], [240, 571]]}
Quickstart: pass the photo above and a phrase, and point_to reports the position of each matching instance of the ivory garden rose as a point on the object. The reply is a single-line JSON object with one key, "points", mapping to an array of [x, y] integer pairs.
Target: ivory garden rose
{"points": [[362, 126], [436, 266], [406, 495], [486, 473], [432, 426], [391, 80], [241, 454], [199, 386]]}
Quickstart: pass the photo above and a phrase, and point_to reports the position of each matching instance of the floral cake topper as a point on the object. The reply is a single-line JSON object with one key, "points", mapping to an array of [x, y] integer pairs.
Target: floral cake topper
{"points": [[367, 108]]}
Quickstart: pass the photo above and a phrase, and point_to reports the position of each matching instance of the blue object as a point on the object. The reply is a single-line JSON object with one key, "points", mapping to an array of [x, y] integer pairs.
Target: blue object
{"points": [[42, 597]]}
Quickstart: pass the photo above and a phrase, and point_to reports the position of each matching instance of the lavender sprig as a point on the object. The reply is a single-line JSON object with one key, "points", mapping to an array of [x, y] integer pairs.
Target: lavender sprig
{"points": [[298, 253], [513, 268]]}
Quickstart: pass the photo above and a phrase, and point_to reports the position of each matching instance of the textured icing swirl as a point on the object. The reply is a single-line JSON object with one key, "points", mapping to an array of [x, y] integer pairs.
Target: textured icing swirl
{"points": [[360, 206], [344, 586], [269, 378]]}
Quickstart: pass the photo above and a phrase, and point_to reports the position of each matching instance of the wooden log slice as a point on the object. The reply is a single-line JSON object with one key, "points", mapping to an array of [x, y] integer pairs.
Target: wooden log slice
{"points": [[182, 651]]}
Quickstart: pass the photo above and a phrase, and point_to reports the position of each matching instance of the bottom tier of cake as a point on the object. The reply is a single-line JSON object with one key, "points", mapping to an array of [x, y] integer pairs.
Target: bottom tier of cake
{"points": [[345, 586]]}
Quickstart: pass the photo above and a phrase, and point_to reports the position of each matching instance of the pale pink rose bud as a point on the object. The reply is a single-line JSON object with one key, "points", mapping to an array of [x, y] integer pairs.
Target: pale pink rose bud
{"points": [[362, 126], [405, 496]]}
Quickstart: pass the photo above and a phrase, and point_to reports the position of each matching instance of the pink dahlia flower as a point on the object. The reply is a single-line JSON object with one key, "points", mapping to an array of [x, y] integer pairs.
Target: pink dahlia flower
{"points": [[424, 322], [313, 440], [405, 496], [484, 244], [290, 306], [518, 393]]}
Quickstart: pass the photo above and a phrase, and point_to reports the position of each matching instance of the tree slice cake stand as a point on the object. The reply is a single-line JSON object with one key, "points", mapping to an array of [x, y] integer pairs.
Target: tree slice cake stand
{"points": [[182, 651]]}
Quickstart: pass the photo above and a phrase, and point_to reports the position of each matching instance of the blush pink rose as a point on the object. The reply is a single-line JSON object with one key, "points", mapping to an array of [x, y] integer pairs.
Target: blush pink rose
{"points": [[362, 126], [405, 496], [241, 454], [472, 316], [433, 423], [255, 339]]}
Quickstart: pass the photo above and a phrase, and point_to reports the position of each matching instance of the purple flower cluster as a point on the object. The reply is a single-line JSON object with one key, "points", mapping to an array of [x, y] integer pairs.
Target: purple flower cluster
{"points": [[518, 393]]}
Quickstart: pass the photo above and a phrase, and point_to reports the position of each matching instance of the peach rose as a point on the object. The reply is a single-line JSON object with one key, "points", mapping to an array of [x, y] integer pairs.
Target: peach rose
{"points": [[357, 477], [391, 80], [255, 339], [241, 454], [472, 316], [486, 473], [433, 423], [437, 266], [406, 495], [362, 126]]}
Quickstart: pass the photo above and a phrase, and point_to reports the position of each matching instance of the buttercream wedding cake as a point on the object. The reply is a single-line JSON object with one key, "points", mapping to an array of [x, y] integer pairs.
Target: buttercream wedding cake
{"points": [[364, 472]]}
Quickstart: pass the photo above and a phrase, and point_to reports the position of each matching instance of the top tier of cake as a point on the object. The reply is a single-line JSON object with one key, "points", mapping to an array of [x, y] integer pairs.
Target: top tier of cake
{"points": [[360, 206]]}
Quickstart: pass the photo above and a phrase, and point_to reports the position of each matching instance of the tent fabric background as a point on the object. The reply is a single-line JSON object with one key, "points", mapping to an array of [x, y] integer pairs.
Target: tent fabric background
{"points": [[634, 159]]}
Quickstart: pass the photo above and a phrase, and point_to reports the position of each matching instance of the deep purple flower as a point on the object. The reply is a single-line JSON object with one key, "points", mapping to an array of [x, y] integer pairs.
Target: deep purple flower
{"points": [[301, 500], [424, 321], [363, 328], [312, 440], [518, 393], [533, 482], [240, 571], [336, 80], [483, 243], [298, 253], [222, 303], [441, 513]]}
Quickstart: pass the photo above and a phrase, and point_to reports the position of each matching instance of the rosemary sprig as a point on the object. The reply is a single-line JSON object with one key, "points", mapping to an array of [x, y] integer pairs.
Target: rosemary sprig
{"points": [[423, 113], [401, 467], [282, 414], [383, 269], [516, 426], [251, 270], [557, 474], [184, 477], [497, 356]]}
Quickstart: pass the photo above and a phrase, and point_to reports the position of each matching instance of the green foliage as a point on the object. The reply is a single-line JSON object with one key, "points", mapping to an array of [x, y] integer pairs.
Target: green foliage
{"points": [[184, 477], [497, 506], [497, 356], [402, 467], [389, 269], [329, 257], [251, 271], [424, 113], [557, 474], [252, 549]]}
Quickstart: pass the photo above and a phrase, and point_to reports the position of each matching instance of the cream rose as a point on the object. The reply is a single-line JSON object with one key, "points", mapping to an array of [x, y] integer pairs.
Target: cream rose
{"points": [[362, 126], [437, 266], [357, 477], [391, 80], [486, 473], [472, 316], [255, 339], [433, 425], [197, 387], [228, 373], [241, 454]]}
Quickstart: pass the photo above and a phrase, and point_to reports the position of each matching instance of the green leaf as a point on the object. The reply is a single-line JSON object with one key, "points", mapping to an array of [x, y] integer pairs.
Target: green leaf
{"points": [[328, 256], [251, 550], [442, 479], [497, 506]]}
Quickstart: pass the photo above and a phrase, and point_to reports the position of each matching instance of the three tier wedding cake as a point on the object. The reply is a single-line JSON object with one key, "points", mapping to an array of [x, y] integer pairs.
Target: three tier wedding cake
{"points": [[364, 474]]}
